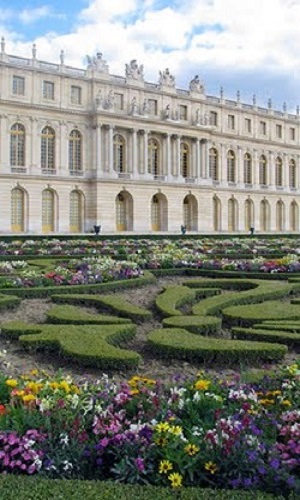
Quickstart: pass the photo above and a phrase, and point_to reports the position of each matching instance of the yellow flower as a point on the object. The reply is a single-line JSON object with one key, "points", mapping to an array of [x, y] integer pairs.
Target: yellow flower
{"points": [[211, 467], [65, 386], [162, 427], [19, 393], [161, 441], [165, 466], [286, 402], [134, 381], [176, 480], [28, 397], [134, 392], [11, 382], [34, 372], [54, 385], [175, 429], [191, 449], [34, 387], [202, 385]]}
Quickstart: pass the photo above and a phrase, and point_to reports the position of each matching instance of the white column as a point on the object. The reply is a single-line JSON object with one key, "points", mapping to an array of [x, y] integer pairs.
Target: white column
{"points": [[145, 166], [240, 166], [255, 168], [271, 170], [194, 158], [110, 148], [167, 169], [98, 132], [177, 157], [34, 145], [285, 171], [223, 165], [5, 140], [198, 159], [63, 149], [134, 152]]}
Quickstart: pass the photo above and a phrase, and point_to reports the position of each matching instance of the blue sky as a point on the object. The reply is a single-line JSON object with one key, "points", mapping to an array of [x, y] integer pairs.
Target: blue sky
{"points": [[248, 45]]}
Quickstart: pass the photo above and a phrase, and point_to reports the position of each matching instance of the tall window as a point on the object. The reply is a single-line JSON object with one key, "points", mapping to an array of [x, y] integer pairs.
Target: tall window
{"points": [[278, 131], [213, 164], [75, 151], [17, 210], [153, 157], [182, 112], [279, 215], [76, 208], [264, 215], [119, 101], [231, 166], [262, 128], [152, 107], [292, 133], [278, 172], [184, 160], [262, 170], [47, 211], [231, 122], [75, 94], [249, 214], [48, 149], [213, 118], [247, 169], [248, 126], [17, 145], [294, 216], [232, 215], [292, 173], [48, 90], [119, 154], [18, 85]]}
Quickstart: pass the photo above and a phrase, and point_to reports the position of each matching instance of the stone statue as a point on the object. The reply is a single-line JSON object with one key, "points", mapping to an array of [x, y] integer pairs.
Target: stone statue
{"points": [[97, 63], [134, 106], [110, 101], [165, 78], [198, 117], [134, 71], [196, 85], [167, 112]]}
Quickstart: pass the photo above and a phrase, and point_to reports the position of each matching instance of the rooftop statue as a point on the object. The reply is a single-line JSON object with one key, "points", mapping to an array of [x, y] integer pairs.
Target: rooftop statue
{"points": [[165, 78], [134, 71], [97, 63], [196, 85]]}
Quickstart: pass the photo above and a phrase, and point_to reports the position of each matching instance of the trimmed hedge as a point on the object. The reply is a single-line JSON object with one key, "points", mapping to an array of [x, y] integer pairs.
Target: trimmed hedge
{"points": [[42, 292], [180, 344], [248, 315], [265, 335], [263, 292], [37, 488], [200, 325], [89, 345], [287, 326], [224, 284], [173, 297], [8, 302], [110, 303], [72, 315]]}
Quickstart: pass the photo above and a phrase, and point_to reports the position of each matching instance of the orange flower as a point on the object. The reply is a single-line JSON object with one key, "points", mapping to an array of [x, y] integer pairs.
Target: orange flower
{"points": [[2, 410]]}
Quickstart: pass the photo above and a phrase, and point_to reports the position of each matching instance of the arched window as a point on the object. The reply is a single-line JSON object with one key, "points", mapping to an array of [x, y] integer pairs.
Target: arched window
{"points": [[278, 172], [249, 214], [280, 215], [213, 164], [292, 174], [153, 150], [184, 160], [48, 149], [75, 151], [263, 170], [17, 145], [247, 169], [264, 215], [294, 216], [231, 174], [217, 214], [48, 212], [232, 215], [119, 154], [76, 211], [17, 210]]}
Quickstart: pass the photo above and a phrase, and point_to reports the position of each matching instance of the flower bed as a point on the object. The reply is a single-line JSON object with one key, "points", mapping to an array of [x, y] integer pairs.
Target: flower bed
{"points": [[204, 432]]}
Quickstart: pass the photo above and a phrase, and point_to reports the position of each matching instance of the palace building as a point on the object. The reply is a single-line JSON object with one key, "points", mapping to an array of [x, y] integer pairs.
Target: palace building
{"points": [[83, 147]]}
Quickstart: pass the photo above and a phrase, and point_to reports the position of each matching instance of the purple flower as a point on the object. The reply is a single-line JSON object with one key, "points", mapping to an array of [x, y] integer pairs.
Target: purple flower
{"points": [[275, 463], [140, 465]]}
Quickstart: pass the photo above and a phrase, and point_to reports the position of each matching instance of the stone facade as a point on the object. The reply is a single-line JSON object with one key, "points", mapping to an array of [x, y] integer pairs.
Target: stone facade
{"points": [[81, 147]]}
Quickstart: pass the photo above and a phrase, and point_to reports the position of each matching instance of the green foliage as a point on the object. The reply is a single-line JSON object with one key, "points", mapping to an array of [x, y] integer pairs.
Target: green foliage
{"points": [[180, 344], [8, 302], [72, 315], [247, 315], [173, 297], [200, 325], [90, 345], [265, 335], [111, 303]]}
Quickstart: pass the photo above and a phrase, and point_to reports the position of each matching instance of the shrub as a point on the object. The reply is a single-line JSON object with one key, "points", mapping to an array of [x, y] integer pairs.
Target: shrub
{"points": [[269, 310], [200, 325], [265, 335], [74, 316], [173, 297]]}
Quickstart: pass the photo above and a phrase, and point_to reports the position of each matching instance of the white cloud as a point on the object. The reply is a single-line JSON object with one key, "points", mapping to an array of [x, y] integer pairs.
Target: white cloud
{"points": [[228, 35], [28, 16]]}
